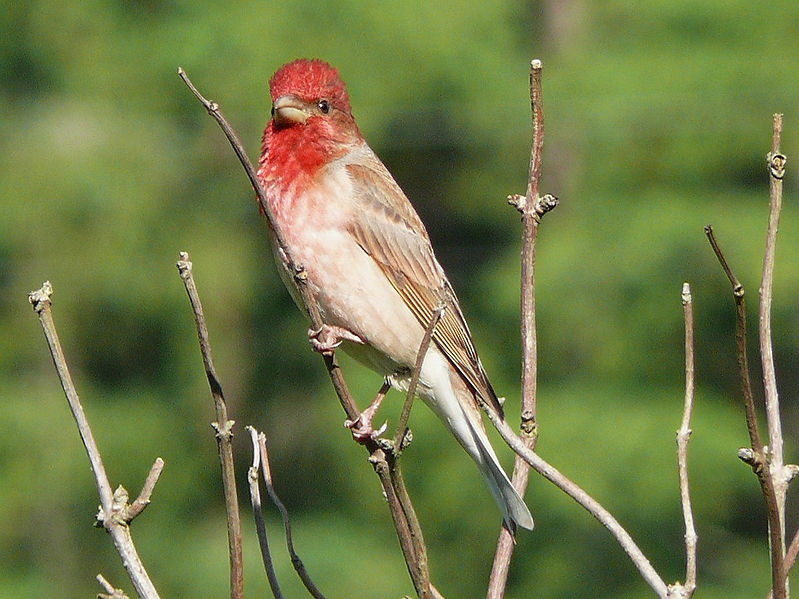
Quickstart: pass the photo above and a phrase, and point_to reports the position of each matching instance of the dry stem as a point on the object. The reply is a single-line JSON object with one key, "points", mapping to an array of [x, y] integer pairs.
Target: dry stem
{"points": [[114, 514], [260, 525], [532, 208], [224, 434], [683, 437]]}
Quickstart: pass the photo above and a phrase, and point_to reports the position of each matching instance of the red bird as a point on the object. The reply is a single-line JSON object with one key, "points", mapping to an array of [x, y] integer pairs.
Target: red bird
{"points": [[369, 262]]}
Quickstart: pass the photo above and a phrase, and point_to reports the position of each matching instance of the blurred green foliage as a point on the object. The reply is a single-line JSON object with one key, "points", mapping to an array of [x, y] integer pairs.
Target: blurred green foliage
{"points": [[658, 117]]}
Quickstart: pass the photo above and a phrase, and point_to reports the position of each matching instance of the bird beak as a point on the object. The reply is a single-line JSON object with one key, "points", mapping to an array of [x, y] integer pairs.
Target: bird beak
{"points": [[289, 110]]}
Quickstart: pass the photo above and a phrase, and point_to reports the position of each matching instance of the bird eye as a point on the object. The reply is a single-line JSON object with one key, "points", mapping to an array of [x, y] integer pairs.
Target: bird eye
{"points": [[273, 110], [323, 106]]}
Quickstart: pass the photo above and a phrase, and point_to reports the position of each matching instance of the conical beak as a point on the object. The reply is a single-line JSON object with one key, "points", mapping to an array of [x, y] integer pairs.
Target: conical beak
{"points": [[289, 110]]}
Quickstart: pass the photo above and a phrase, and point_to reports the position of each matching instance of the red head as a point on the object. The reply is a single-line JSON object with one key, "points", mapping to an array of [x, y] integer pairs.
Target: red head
{"points": [[311, 123]]}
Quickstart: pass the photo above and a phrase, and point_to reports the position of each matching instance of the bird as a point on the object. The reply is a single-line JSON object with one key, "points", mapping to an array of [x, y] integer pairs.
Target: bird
{"points": [[369, 264]]}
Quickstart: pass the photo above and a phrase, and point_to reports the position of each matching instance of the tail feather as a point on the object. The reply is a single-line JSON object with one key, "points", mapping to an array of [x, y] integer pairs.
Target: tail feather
{"points": [[514, 510]]}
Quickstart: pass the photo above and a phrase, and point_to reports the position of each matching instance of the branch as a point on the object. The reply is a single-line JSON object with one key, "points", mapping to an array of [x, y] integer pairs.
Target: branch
{"points": [[224, 433], [756, 456], [110, 505], [683, 437], [581, 497], [402, 424], [270, 489], [776, 471], [412, 544], [532, 208], [260, 526], [110, 591]]}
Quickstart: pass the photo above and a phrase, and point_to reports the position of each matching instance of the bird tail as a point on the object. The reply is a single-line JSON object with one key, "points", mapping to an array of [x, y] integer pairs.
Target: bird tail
{"points": [[515, 512]]}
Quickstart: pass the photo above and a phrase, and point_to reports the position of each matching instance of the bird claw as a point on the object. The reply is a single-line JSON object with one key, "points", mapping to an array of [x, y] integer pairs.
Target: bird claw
{"points": [[362, 430], [327, 338]]}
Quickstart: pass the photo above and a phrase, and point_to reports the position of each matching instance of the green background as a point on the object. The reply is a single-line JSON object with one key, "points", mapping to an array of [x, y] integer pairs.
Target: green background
{"points": [[658, 118]]}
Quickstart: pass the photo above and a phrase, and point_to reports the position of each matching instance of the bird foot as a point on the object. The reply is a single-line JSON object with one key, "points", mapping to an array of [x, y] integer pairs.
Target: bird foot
{"points": [[362, 430], [361, 427], [327, 338]]}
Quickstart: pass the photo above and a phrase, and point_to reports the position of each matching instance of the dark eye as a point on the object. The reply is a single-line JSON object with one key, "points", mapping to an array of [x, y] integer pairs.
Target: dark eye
{"points": [[323, 106]]}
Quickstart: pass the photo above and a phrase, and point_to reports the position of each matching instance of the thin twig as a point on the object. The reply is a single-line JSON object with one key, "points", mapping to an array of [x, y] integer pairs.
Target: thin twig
{"points": [[683, 436], [295, 559], [143, 500], [116, 527], [399, 512], [260, 525], [402, 424], [581, 497], [224, 433], [790, 558], [110, 591], [532, 208], [756, 457]]}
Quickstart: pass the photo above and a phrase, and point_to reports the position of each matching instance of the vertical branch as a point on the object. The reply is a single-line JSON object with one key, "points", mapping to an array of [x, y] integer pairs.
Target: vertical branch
{"points": [[776, 162], [224, 433], [683, 436], [532, 207]]}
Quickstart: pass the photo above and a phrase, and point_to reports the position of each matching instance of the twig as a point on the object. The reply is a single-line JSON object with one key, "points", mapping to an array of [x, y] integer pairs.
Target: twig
{"points": [[790, 558], [683, 436], [756, 456], [584, 499], [402, 424], [224, 433], [295, 559], [532, 208], [143, 500], [260, 525], [110, 591], [109, 508], [400, 513]]}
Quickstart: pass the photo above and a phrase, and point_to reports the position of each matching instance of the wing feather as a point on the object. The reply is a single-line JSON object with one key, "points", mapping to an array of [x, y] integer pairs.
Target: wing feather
{"points": [[394, 236]]}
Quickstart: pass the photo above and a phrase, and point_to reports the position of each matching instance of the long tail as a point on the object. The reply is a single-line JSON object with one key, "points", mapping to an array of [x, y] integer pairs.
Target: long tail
{"points": [[448, 394], [514, 510]]}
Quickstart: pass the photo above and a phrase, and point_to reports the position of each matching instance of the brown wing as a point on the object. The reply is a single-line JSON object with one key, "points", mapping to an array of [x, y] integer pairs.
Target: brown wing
{"points": [[394, 236]]}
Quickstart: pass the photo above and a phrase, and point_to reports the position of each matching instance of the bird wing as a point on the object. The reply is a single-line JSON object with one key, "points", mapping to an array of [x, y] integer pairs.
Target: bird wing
{"points": [[388, 229]]}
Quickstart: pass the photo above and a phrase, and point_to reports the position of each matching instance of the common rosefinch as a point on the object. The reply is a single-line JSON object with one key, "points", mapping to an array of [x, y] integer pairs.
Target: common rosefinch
{"points": [[369, 262]]}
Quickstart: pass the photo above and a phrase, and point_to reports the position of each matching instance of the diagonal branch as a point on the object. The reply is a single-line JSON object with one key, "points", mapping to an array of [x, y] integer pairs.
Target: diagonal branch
{"points": [[299, 566], [110, 508], [756, 457]]}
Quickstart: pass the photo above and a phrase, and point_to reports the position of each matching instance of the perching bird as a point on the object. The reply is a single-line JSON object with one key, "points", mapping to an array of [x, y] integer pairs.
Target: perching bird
{"points": [[369, 262]]}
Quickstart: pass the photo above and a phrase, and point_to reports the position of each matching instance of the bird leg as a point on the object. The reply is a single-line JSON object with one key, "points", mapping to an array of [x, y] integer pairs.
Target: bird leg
{"points": [[361, 427], [327, 338]]}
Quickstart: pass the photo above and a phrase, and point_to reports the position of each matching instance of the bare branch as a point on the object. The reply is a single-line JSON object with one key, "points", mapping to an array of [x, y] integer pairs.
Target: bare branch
{"points": [[581, 497], [110, 591], [402, 424], [683, 436], [756, 456], [532, 207], [224, 433], [776, 162], [110, 507], [143, 500], [295, 559], [260, 525]]}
